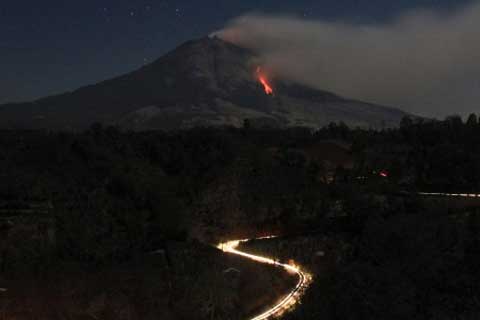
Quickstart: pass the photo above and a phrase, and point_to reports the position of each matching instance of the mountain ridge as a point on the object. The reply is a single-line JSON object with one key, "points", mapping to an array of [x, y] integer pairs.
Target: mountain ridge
{"points": [[204, 82]]}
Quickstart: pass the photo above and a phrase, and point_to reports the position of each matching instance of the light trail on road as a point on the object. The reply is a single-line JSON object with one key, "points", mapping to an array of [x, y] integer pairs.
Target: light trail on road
{"points": [[304, 278], [289, 301], [459, 195]]}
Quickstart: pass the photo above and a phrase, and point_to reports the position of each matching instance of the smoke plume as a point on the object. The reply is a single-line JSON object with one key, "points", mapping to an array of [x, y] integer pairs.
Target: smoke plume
{"points": [[424, 62]]}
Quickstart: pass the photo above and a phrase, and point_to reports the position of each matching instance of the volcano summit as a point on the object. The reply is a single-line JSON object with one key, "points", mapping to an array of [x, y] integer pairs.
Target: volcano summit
{"points": [[205, 82]]}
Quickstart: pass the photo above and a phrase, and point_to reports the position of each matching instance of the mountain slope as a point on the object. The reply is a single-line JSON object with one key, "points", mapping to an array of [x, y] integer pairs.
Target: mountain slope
{"points": [[202, 82]]}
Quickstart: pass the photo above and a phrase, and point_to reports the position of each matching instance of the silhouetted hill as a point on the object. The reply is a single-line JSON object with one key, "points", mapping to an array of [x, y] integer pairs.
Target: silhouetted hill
{"points": [[203, 82]]}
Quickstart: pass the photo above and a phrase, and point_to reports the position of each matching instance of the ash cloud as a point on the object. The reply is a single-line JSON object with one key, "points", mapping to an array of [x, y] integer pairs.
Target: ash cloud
{"points": [[424, 62]]}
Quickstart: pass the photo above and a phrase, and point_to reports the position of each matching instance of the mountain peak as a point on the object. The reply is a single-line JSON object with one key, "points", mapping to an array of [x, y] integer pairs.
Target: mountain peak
{"points": [[206, 81], [208, 61]]}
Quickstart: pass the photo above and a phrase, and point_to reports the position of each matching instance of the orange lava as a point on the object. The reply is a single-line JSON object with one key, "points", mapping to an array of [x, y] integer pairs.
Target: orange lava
{"points": [[263, 80]]}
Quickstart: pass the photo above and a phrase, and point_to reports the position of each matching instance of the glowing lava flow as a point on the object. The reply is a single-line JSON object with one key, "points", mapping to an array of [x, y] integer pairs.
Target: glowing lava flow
{"points": [[304, 279], [263, 80]]}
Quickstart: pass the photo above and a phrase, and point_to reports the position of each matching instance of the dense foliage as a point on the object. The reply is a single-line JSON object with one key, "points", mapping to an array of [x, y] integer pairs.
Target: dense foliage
{"points": [[107, 195]]}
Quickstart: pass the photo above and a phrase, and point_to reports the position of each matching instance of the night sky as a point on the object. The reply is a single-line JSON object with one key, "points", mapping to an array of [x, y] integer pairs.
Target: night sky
{"points": [[51, 46]]}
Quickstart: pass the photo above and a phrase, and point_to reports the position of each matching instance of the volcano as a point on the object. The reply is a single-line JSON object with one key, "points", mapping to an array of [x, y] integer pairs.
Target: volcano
{"points": [[204, 82]]}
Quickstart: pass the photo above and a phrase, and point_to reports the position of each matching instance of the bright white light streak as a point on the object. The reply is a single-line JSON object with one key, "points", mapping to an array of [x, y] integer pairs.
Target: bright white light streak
{"points": [[458, 195], [304, 278]]}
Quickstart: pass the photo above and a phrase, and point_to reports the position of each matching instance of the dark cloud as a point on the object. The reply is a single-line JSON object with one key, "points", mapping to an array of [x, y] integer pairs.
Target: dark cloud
{"points": [[424, 62]]}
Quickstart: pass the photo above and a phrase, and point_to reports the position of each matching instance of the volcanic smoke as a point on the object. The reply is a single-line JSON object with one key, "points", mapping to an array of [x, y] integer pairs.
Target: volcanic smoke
{"points": [[424, 61]]}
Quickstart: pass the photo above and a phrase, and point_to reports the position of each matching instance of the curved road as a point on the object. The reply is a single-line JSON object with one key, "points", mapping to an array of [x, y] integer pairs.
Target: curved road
{"points": [[292, 298], [304, 278]]}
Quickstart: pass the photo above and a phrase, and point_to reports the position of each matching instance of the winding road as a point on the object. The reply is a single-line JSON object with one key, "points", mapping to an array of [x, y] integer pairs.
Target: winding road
{"points": [[304, 278], [292, 298]]}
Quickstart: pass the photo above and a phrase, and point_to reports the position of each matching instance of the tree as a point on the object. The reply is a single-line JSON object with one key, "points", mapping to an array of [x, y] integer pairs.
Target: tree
{"points": [[472, 120], [454, 122], [247, 124], [406, 122]]}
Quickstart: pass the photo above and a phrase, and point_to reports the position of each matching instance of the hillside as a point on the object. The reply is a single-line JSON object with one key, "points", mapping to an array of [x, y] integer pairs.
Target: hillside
{"points": [[205, 82]]}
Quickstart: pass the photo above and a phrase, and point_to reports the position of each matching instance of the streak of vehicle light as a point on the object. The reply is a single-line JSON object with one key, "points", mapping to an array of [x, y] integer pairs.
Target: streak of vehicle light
{"points": [[459, 195], [291, 299]]}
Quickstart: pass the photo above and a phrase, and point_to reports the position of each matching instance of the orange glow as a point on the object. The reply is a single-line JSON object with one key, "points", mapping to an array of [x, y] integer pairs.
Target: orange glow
{"points": [[263, 80]]}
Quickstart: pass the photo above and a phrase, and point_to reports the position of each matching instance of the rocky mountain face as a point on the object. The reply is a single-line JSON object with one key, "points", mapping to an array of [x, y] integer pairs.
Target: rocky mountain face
{"points": [[205, 82]]}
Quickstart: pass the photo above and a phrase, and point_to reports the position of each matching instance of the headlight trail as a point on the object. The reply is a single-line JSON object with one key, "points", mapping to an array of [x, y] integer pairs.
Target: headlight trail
{"points": [[292, 298], [458, 195]]}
